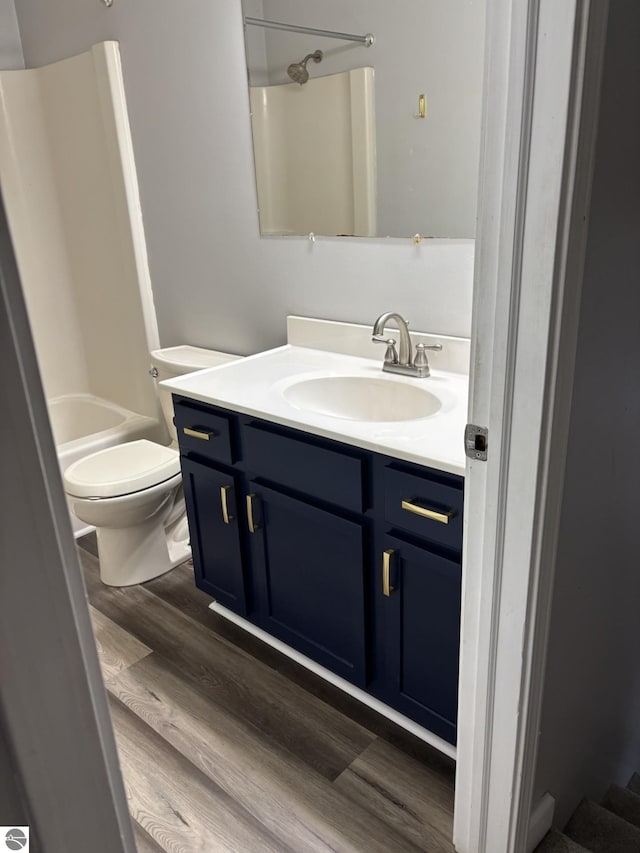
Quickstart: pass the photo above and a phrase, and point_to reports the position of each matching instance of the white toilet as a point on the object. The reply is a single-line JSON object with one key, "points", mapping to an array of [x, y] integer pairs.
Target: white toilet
{"points": [[132, 493]]}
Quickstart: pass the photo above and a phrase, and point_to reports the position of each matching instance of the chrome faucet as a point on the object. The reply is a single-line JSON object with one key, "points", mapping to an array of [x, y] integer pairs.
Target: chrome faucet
{"points": [[402, 361]]}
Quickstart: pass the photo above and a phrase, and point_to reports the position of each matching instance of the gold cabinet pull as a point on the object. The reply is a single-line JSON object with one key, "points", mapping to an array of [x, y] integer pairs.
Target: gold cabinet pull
{"points": [[198, 433], [433, 514], [253, 525], [387, 589], [226, 516]]}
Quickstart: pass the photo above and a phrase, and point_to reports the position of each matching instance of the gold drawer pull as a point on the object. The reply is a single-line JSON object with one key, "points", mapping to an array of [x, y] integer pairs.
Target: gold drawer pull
{"points": [[433, 514], [253, 525], [226, 516], [197, 433], [387, 589]]}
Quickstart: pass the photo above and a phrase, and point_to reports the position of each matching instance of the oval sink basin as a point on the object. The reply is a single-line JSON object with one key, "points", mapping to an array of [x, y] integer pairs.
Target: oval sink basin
{"points": [[358, 398]]}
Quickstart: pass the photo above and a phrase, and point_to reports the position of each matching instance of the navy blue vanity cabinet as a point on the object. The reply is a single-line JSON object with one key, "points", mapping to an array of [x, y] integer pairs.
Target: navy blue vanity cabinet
{"points": [[213, 499], [418, 580], [309, 545], [309, 577], [422, 597], [214, 494], [348, 556]]}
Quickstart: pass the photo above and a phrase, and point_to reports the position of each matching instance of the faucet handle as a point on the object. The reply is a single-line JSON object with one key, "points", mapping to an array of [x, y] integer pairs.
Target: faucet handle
{"points": [[421, 361], [391, 355]]}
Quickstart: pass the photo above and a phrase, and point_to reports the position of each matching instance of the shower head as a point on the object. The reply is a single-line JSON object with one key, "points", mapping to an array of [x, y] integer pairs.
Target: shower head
{"points": [[298, 70]]}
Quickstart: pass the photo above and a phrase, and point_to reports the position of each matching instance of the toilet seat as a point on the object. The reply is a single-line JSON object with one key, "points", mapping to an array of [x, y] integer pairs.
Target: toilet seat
{"points": [[121, 470]]}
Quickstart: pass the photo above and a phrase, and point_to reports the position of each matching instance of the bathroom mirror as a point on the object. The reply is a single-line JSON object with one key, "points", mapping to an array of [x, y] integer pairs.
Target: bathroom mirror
{"points": [[357, 140]]}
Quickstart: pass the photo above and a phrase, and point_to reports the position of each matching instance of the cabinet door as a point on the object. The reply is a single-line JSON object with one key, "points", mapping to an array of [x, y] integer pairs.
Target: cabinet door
{"points": [[422, 634], [309, 577], [212, 511]]}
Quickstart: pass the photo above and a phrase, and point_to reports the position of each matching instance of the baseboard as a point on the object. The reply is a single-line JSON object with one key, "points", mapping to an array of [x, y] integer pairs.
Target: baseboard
{"points": [[540, 821]]}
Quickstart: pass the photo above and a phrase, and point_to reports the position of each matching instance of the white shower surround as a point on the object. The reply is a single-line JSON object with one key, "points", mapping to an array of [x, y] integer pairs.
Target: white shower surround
{"points": [[70, 187], [315, 155]]}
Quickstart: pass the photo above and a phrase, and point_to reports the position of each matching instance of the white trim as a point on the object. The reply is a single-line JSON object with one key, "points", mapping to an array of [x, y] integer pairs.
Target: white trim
{"points": [[327, 675], [498, 185], [540, 821], [590, 37], [518, 306], [52, 698]]}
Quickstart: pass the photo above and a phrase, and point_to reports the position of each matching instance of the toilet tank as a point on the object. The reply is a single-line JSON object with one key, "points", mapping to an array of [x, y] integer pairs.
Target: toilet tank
{"points": [[176, 361]]}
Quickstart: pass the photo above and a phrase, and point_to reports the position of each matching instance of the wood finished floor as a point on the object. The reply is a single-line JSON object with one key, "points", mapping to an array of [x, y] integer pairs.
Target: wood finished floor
{"points": [[228, 745]]}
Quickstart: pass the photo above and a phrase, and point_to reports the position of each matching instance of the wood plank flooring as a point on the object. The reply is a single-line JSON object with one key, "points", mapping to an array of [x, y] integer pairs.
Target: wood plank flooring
{"points": [[228, 745]]}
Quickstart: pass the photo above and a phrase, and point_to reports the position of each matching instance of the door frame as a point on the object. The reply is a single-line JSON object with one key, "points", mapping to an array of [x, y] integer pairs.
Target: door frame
{"points": [[53, 706], [542, 70]]}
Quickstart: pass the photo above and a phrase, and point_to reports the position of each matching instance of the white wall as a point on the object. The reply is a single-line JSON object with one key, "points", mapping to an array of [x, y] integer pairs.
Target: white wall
{"points": [[10, 46], [427, 169], [255, 38], [590, 733], [216, 282]]}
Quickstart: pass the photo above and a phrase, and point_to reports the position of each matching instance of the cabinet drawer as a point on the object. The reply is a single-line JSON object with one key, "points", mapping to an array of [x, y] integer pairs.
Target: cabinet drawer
{"points": [[329, 475], [204, 432], [427, 508]]}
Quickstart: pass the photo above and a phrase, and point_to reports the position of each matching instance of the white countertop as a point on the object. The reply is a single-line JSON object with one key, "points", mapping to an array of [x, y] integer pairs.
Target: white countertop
{"points": [[255, 385]]}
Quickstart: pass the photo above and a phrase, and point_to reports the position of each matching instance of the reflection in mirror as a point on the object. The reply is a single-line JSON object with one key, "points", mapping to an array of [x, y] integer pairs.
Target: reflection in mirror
{"points": [[366, 139]]}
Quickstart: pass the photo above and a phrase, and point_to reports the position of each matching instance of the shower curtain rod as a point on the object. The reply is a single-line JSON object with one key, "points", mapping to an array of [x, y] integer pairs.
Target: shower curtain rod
{"points": [[367, 40]]}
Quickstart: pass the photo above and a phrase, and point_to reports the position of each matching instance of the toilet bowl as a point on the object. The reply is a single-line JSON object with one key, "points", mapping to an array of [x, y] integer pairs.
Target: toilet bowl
{"points": [[132, 493]]}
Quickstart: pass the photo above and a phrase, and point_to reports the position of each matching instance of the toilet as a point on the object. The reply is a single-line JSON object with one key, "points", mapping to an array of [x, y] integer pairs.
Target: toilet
{"points": [[132, 493]]}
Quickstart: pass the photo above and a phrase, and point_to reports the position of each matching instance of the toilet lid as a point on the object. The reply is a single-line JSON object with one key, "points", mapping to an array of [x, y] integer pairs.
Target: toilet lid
{"points": [[121, 470]]}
